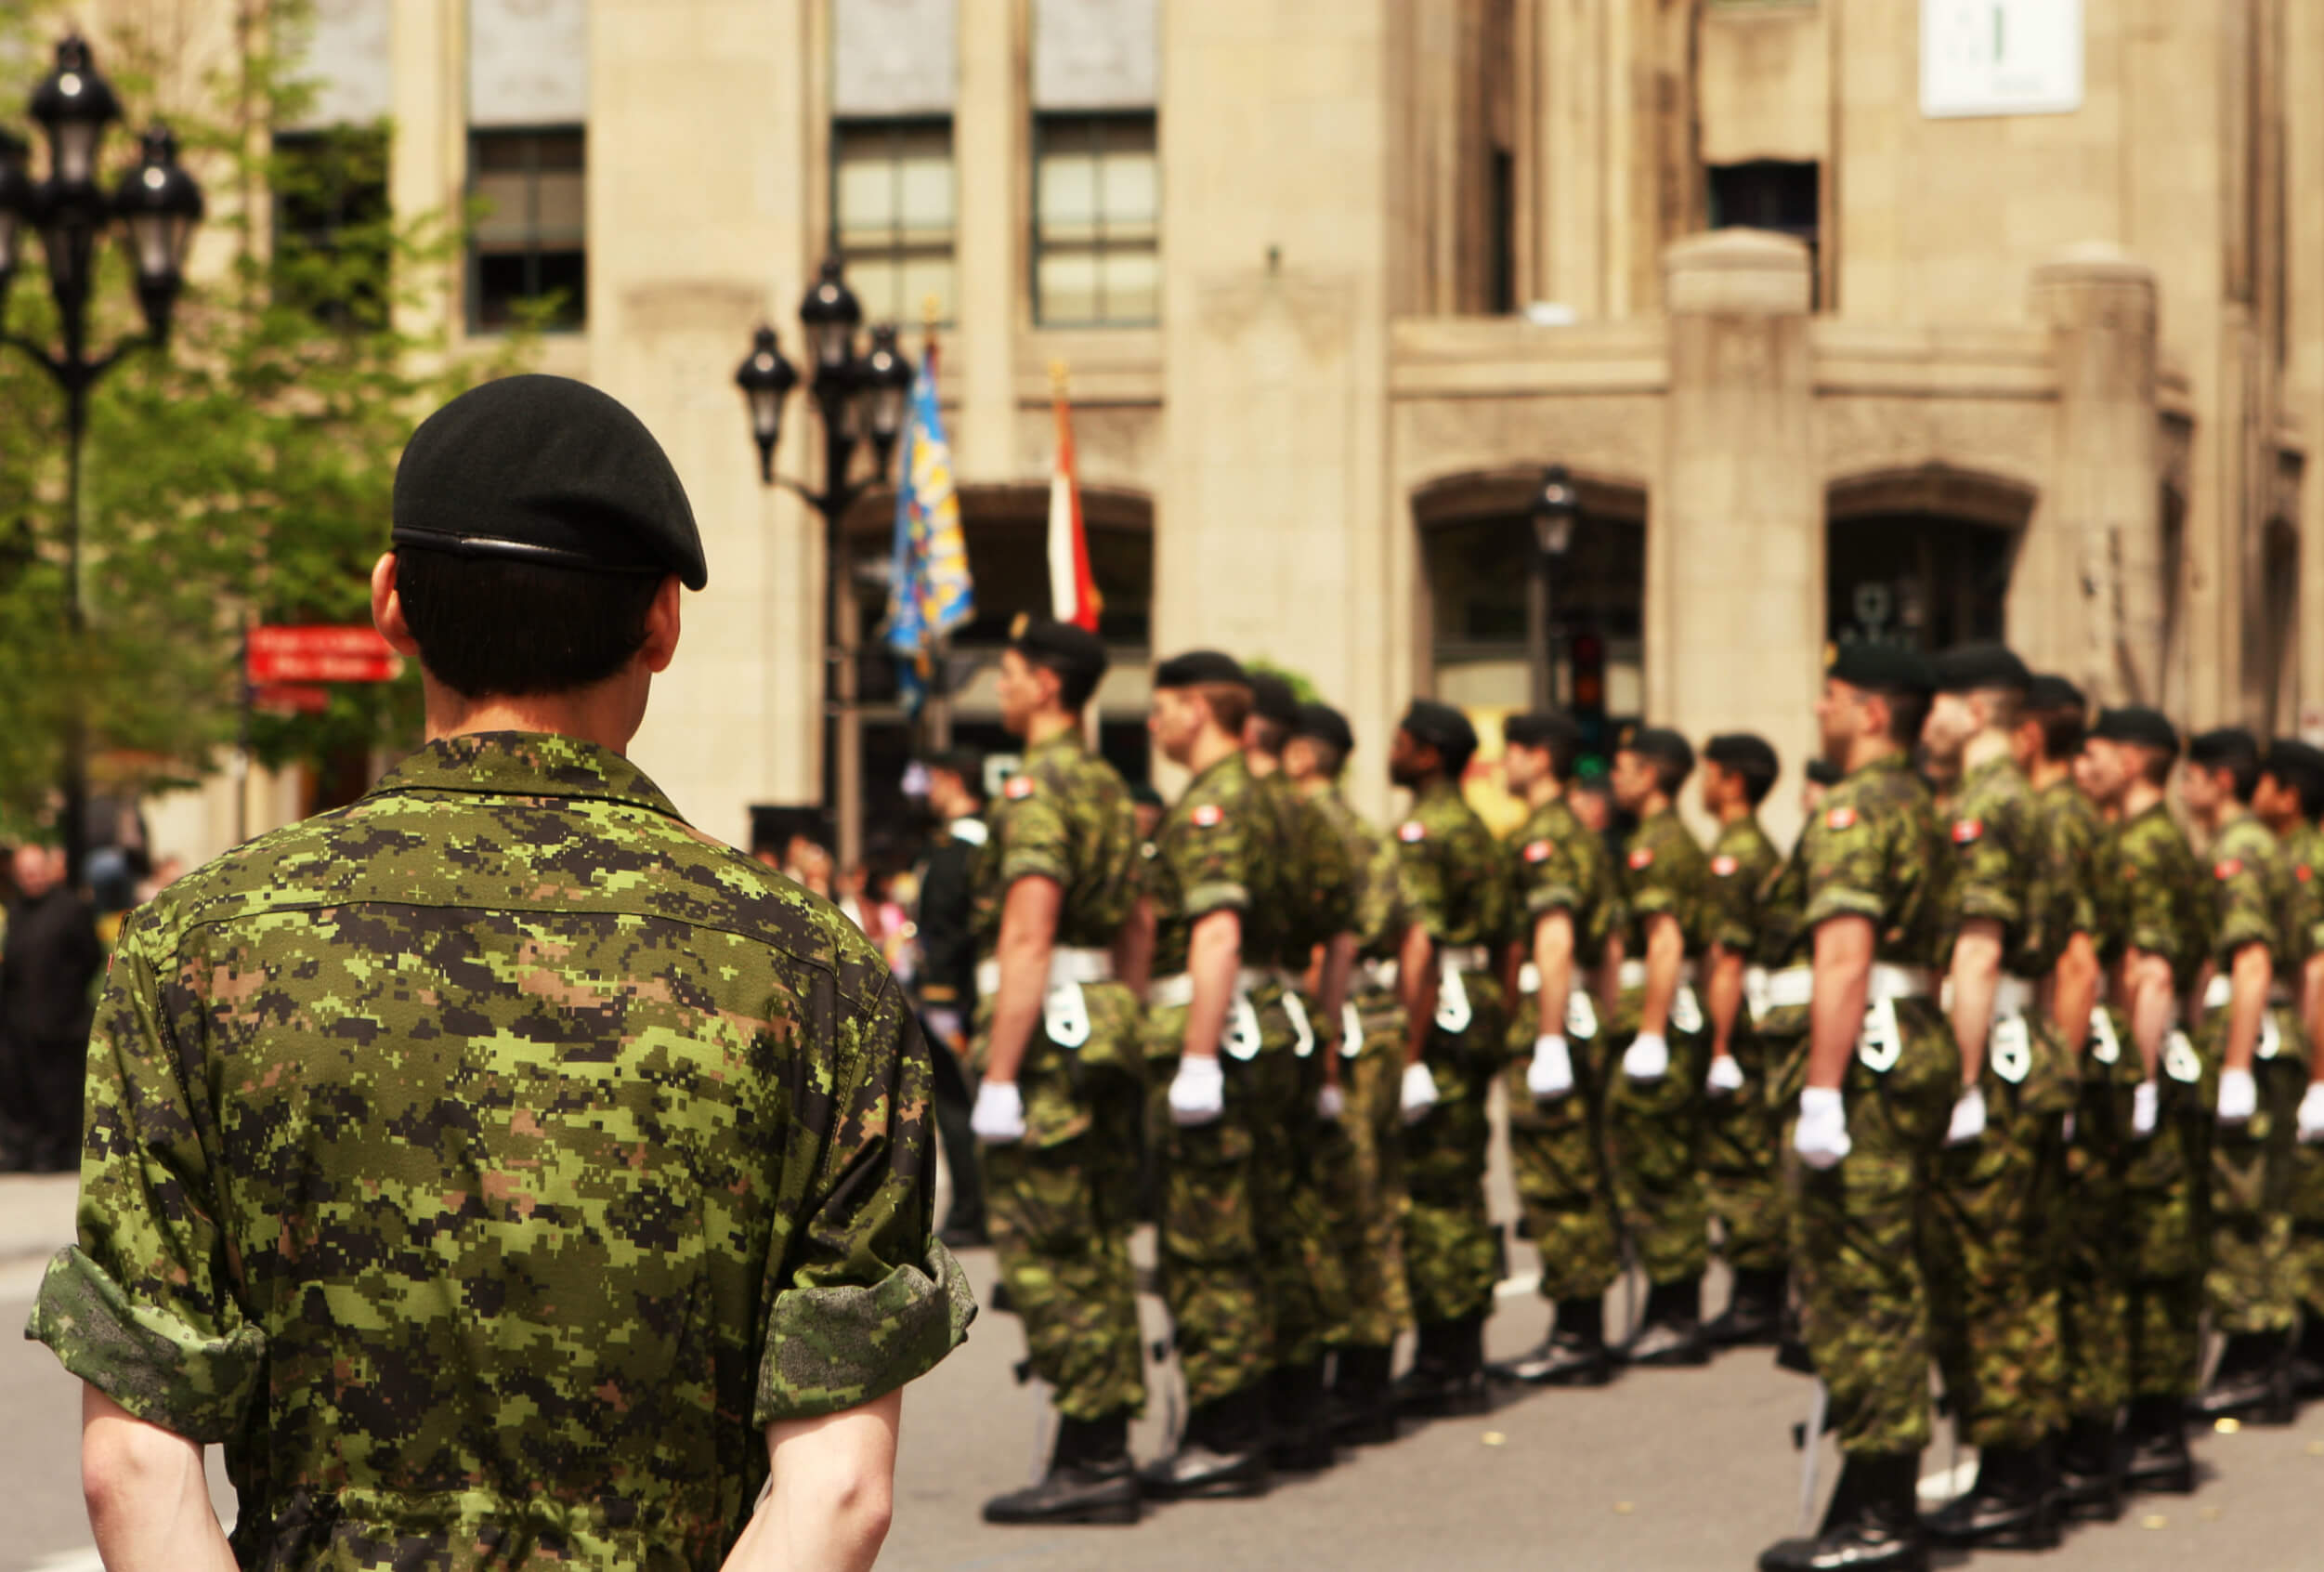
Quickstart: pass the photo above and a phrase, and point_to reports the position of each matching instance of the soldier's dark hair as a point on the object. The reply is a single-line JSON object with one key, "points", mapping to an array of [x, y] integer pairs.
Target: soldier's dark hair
{"points": [[2232, 749], [1908, 712], [1554, 732], [1328, 759], [2299, 767], [2063, 733], [1230, 704], [492, 627]]}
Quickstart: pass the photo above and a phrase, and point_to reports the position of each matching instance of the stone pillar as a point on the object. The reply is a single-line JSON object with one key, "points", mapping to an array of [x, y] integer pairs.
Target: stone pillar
{"points": [[989, 160], [2096, 551], [1735, 549]]}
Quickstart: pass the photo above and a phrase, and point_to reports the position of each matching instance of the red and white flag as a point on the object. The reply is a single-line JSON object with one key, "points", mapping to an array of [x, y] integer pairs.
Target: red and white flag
{"points": [[1072, 592]]}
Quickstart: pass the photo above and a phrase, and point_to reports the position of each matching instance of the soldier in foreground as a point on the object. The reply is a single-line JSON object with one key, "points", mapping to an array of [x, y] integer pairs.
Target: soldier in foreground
{"points": [[1062, 1093], [507, 1173]]}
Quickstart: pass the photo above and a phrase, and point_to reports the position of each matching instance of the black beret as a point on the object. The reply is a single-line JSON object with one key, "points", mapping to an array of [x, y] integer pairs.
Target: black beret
{"points": [[1823, 772], [549, 470], [1745, 752], [1541, 729], [2147, 727], [2226, 745], [2049, 691], [1967, 667], [1060, 646], [1326, 726], [1271, 700], [1199, 666], [1659, 744], [1440, 725], [2289, 758], [1888, 668]]}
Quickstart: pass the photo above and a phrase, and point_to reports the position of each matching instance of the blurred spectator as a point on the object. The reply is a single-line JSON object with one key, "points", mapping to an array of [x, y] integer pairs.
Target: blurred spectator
{"points": [[52, 961], [948, 952]]}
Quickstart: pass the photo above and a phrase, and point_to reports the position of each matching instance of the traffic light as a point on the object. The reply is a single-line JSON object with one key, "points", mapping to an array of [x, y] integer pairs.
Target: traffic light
{"points": [[1588, 653]]}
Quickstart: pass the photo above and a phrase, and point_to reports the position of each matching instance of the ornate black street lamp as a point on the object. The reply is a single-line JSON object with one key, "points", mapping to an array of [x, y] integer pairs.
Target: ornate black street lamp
{"points": [[1555, 507], [159, 205]]}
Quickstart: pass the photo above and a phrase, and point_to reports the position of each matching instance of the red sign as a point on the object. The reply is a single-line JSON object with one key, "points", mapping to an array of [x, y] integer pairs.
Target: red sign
{"points": [[283, 699], [320, 654]]}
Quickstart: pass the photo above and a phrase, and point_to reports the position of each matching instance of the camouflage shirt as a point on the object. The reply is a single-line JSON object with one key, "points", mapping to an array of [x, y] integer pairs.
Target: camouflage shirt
{"points": [[1562, 867], [1665, 873], [2303, 867], [2151, 896], [1744, 864], [1455, 874], [1316, 866], [1377, 915], [2073, 845], [1999, 870], [486, 1163], [1217, 850], [1875, 850], [1065, 816], [2248, 881]]}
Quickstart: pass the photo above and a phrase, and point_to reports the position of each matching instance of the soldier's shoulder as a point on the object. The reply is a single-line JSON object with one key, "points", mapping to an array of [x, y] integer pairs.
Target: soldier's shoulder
{"points": [[2246, 838]]}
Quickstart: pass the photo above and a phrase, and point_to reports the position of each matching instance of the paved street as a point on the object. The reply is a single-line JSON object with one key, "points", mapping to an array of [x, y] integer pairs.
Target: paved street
{"points": [[1675, 1470]]}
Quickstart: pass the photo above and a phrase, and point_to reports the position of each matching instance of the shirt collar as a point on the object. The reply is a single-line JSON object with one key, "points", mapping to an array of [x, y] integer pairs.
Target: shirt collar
{"points": [[524, 763]]}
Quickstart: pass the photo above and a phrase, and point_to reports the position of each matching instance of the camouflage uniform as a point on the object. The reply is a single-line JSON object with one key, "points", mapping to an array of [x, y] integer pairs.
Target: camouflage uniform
{"points": [[1875, 850], [1742, 1174], [484, 1164], [2304, 850], [1993, 1279], [1557, 1147], [1062, 1200], [1226, 1234], [1359, 1160], [1653, 1128], [2248, 1286], [1456, 880], [2153, 898]]}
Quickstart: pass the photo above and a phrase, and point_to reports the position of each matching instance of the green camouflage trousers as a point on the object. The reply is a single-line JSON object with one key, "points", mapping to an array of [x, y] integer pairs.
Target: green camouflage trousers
{"points": [[1061, 1202], [1557, 1155], [1993, 1279], [2306, 1208], [2250, 1286], [1361, 1169], [2166, 1204], [2093, 1238], [1449, 1255], [1856, 1237], [1743, 1176], [1654, 1134], [1307, 1281]]}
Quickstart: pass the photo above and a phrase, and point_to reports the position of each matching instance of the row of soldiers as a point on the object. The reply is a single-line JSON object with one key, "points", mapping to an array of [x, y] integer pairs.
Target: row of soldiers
{"points": [[1929, 1068]]}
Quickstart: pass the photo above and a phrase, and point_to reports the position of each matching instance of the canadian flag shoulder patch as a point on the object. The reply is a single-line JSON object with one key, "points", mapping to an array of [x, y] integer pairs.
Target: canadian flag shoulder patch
{"points": [[1966, 831], [1839, 819], [1412, 829], [2226, 868], [1209, 816], [1019, 788], [1642, 857], [1537, 851], [2304, 872], [1724, 866]]}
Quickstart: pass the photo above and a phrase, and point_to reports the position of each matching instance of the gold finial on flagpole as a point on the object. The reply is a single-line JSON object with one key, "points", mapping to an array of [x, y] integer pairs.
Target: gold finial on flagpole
{"points": [[1057, 379]]}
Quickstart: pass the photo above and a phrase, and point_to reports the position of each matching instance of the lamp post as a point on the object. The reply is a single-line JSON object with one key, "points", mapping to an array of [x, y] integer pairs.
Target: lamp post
{"points": [[159, 205], [1555, 507], [857, 396]]}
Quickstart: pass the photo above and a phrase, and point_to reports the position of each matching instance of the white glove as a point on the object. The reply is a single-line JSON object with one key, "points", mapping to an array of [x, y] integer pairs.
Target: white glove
{"points": [[1330, 1102], [1968, 1118], [2312, 1113], [1821, 1138], [1726, 1078], [1419, 1092], [1646, 1058], [998, 1116], [2239, 1096], [1551, 1073], [2145, 1099], [1198, 1091]]}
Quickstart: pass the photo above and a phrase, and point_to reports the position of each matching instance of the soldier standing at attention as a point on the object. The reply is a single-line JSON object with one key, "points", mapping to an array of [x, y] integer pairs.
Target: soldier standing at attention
{"points": [[1655, 1105], [2153, 917], [1568, 901], [948, 988], [1360, 1159], [1454, 878], [2302, 765], [2242, 1037], [1063, 1089], [1221, 1052], [1742, 1132], [1881, 1079], [506, 1173]]}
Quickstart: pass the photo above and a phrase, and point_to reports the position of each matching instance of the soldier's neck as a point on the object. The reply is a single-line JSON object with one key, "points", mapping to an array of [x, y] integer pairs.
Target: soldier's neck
{"points": [[1982, 750], [1654, 805], [2048, 773], [1544, 791], [1260, 764], [1733, 812], [2142, 795], [607, 714], [1869, 749], [1209, 747], [1049, 724]]}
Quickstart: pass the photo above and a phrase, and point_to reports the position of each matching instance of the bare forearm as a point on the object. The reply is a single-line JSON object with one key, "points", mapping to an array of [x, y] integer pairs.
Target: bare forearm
{"points": [[1029, 927], [2074, 987], [833, 1490], [2150, 1007], [2254, 974], [1723, 996], [1553, 959], [148, 1502], [1835, 1013], [1133, 949], [1976, 976], [1417, 979], [2312, 1013], [1213, 958], [1666, 952]]}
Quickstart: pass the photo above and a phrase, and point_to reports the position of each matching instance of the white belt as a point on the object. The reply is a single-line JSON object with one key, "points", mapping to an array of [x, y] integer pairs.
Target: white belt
{"points": [[1378, 973], [1795, 987], [2221, 989], [1529, 979], [1632, 974], [1464, 958], [1791, 987], [2012, 996], [1066, 965], [1178, 991]]}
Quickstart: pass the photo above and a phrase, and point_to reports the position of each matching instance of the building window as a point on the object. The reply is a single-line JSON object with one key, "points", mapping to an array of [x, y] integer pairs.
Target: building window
{"points": [[1769, 195], [892, 214], [1097, 220], [332, 227], [527, 249]]}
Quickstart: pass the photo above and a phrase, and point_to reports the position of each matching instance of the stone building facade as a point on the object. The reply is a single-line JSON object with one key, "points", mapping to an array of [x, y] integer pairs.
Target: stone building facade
{"points": [[1907, 318]]}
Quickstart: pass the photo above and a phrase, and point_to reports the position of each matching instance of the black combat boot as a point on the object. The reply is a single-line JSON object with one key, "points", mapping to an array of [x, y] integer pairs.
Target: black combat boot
{"points": [[2090, 1459], [1673, 1330], [1362, 1412], [1754, 1313], [2008, 1508], [1574, 1353], [1089, 1478], [1223, 1452], [1873, 1524], [1299, 1433], [2159, 1463], [2253, 1383], [1447, 1377]]}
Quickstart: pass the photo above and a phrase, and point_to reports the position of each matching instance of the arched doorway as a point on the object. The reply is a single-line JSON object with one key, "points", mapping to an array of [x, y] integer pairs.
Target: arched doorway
{"points": [[1920, 557]]}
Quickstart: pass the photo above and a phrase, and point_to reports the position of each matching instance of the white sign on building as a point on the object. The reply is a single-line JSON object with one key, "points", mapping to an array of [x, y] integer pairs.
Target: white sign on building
{"points": [[2000, 56]]}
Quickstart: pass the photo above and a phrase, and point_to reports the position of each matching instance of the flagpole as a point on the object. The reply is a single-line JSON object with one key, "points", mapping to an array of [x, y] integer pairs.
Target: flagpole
{"points": [[936, 713]]}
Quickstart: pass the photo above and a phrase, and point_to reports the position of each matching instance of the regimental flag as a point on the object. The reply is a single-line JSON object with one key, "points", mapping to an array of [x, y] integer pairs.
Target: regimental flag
{"points": [[1072, 592], [930, 592]]}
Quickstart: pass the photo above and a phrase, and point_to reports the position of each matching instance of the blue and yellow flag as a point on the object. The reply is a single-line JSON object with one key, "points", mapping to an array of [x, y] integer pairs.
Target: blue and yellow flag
{"points": [[930, 592]]}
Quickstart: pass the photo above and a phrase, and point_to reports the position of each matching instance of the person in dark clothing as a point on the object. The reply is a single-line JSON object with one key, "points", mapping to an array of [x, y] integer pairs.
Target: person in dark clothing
{"points": [[52, 958], [947, 993]]}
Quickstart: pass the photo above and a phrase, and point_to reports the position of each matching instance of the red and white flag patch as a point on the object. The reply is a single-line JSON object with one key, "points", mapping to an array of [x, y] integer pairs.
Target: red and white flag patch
{"points": [[1966, 831], [1724, 867], [1209, 816], [1642, 857], [1019, 788], [1412, 829], [2227, 869], [1537, 851], [1839, 819]]}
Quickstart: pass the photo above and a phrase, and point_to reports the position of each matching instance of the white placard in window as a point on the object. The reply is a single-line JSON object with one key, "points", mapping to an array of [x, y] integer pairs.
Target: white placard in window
{"points": [[1096, 54], [345, 58], [893, 57], [528, 63], [2000, 56]]}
